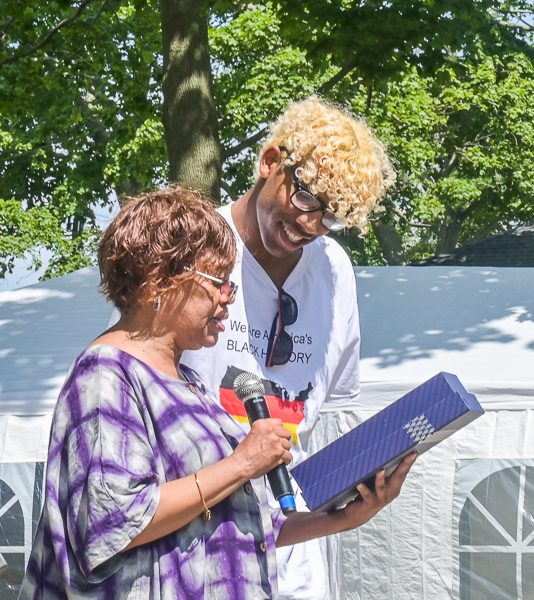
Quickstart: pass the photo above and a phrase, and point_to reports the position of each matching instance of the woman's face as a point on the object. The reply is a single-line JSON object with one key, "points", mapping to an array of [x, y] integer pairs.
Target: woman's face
{"points": [[195, 311]]}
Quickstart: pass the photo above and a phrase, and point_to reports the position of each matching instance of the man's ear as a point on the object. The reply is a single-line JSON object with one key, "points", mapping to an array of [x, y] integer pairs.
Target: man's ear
{"points": [[270, 159]]}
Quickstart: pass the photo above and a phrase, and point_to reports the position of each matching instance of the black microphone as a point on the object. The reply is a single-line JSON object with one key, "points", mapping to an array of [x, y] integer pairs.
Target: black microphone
{"points": [[250, 390]]}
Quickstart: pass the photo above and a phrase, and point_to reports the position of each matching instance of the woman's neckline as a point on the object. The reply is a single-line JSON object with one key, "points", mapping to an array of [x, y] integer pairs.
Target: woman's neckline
{"points": [[180, 368]]}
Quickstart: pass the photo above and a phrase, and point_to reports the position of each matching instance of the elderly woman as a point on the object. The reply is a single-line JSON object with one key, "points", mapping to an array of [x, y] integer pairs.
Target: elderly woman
{"points": [[153, 491]]}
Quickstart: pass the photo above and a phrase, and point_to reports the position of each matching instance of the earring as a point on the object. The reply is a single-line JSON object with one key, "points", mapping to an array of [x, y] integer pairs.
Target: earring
{"points": [[157, 304]]}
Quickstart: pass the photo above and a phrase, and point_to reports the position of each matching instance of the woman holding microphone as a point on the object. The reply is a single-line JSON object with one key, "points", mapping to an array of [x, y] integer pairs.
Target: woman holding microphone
{"points": [[153, 492]]}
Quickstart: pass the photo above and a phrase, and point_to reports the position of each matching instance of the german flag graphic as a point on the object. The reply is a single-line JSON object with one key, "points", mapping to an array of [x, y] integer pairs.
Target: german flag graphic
{"points": [[280, 405]]}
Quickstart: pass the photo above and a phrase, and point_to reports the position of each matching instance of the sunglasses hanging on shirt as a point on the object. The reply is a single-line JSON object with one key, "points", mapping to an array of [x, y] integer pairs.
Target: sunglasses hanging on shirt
{"points": [[280, 346]]}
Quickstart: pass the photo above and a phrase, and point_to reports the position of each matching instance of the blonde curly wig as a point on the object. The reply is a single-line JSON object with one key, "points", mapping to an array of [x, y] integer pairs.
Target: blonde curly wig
{"points": [[337, 155]]}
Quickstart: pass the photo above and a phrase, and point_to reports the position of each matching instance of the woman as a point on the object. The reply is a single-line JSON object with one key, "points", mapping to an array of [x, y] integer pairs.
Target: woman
{"points": [[153, 491]]}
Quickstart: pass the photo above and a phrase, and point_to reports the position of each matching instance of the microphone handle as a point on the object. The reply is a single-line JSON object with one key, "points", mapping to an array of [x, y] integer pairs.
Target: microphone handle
{"points": [[280, 484], [257, 409], [278, 477]]}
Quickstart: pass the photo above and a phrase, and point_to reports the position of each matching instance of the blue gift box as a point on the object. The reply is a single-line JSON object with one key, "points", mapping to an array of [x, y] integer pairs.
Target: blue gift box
{"points": [[415, 423]]}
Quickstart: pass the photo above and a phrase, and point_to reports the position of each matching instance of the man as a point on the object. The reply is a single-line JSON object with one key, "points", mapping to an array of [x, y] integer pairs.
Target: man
{"points": [[295, 321]]}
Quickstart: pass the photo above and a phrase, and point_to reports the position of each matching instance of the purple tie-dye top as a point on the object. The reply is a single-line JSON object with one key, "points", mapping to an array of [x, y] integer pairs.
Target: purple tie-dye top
{"points": [[120, 429]]}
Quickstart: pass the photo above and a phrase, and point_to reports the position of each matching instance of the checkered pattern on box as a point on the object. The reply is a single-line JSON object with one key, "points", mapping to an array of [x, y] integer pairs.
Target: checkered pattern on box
{"points": [[419, 428]]}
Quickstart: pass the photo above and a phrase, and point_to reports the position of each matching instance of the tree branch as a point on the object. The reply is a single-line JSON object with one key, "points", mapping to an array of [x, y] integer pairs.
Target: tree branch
{"points": [[400, 214], [6, 26], [233, 150], [514, 13], [421, 225], [521, 25], [333, 81], [369, 99], [447, 170], [49, 35], [225, 186], [466, 212], [100, 11], [322, 89]]}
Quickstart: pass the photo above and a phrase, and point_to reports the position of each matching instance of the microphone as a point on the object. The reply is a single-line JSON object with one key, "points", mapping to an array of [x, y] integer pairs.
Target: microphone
{"points": [[250, 390]]}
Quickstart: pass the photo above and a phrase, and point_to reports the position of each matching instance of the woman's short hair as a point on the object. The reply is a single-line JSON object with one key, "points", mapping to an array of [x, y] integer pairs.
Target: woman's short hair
{"points": [[155, 238], [337, 155]]}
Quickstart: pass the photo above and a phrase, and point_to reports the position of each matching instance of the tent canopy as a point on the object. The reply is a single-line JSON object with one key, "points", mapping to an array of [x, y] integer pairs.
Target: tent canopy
{"points": [[43, 327], [475, 322], [462, 527]]}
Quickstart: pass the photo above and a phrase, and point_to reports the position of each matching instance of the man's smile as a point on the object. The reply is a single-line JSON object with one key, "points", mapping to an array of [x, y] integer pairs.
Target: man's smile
{"points": [[293, 237]]}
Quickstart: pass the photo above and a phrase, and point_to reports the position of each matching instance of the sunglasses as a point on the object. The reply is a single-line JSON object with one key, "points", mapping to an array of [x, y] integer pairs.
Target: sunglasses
{"points": [[305, 201], [228, 288], [280, 346]]}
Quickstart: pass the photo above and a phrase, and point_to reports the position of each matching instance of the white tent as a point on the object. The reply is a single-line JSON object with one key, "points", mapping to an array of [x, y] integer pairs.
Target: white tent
{"points": [[463, 526], [43, 327]]}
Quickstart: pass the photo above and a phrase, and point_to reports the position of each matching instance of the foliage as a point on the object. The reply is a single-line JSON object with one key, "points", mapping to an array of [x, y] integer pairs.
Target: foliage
{"points": [[463, 143], [267, 54], [383, 36], [445, 84], [458, 134], [83, 121], [256, 75]]}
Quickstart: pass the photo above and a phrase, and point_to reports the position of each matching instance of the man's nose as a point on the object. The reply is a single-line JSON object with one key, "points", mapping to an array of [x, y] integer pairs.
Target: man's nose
{"points": [[311, 223]]}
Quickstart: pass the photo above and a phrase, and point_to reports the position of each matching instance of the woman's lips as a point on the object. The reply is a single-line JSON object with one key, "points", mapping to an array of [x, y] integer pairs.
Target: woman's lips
{"points": [[219, 324], [218, 321]]}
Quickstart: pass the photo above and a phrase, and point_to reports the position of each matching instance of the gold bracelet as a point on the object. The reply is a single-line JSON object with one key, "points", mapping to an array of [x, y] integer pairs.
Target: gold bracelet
{"points": [[207, 511]]}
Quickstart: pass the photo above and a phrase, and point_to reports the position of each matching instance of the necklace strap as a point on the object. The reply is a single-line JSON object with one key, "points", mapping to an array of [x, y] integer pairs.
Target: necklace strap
{"points": [[182, 375]]}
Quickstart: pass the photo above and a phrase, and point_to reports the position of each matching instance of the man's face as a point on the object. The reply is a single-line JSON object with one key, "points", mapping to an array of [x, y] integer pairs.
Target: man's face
{"points": [[284, 229]]}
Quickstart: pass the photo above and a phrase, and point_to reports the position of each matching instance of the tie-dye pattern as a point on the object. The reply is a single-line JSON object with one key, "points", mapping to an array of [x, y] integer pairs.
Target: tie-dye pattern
{"points": [[120, 429]]}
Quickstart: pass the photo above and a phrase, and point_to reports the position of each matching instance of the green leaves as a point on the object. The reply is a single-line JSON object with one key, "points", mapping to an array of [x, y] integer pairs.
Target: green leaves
{"points": [[256, 75], [383, 36], [462, 149], [80, 118], [24, 231], [447, 84]]}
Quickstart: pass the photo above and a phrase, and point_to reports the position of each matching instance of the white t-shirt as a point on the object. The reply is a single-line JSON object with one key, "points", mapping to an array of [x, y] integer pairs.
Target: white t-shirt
{"points": [[324, 366]]}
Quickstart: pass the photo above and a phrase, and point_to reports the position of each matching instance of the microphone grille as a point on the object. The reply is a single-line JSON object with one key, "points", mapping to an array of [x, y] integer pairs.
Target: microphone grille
{"points": [[247, 384]]}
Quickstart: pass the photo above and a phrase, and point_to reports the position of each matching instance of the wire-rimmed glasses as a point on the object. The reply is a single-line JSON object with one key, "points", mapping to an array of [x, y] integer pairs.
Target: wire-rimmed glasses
{"points": [[305, 201], [228, 288]]}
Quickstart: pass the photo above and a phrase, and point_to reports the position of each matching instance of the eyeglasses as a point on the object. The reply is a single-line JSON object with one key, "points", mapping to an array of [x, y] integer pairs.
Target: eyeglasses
{"points": [[228, 288], [280, 346], [305, 201]]}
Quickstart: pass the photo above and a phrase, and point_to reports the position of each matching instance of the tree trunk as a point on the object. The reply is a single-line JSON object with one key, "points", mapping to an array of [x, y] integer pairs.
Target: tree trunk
{"points": [[390, 243], [448, 235], [189, 115]]}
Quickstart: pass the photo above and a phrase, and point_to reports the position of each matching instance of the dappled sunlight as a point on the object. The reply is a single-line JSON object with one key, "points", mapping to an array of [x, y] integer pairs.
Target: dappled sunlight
{"points": [[474, 321], [30, 294], [43, 328]]}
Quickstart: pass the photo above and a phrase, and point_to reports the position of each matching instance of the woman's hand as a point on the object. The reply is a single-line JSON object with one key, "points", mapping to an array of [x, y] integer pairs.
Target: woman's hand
{"points": [[266, 446], [302, 526], [365, 507]]}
